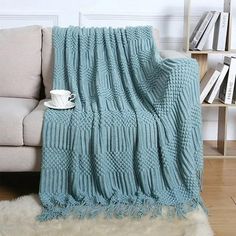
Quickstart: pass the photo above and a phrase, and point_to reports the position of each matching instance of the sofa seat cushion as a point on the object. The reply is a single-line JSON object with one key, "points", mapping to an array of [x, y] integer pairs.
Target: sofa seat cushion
{"points": [[20, 159], [33, 124], [20, 62], [12, 114]]}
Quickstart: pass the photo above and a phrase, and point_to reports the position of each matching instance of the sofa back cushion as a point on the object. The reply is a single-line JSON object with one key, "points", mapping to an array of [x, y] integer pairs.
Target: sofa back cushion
{"points": [[47, 60], [20, 62]]}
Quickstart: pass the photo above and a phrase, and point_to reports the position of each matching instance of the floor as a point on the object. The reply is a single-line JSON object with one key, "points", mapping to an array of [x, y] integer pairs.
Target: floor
{"points": [[219, 192]]}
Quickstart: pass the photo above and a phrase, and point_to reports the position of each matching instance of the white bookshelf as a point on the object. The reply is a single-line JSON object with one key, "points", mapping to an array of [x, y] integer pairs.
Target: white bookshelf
{"points": [[220, 148]]}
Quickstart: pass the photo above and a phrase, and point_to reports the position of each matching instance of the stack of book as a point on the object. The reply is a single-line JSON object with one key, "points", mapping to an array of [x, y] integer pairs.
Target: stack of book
{"points": [[220, 81], [210, 21]]}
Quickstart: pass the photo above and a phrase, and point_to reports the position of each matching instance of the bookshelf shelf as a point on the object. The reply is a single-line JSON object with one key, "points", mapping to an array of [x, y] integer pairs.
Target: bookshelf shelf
{"points": [[217, 103], [220, 148], [211, 150], [211, 52]]}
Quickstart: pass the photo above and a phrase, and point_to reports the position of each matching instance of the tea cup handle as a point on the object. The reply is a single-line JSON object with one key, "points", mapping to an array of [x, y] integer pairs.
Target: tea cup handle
{"points": [[72, 97]]}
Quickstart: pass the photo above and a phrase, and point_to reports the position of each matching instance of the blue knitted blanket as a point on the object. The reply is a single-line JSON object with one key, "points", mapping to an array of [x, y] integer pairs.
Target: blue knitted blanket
{"points": [[132, 145]]}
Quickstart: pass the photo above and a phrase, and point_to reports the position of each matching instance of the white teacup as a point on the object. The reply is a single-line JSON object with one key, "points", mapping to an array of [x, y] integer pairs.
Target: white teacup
{"points": [[60, 98]]}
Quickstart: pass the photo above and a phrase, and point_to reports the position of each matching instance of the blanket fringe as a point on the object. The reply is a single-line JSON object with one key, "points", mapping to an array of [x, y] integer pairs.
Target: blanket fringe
{"points": [[120, 210]]}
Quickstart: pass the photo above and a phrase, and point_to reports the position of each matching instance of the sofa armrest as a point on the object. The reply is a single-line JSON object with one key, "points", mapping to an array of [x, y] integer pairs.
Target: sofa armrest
{"points": [[171, 54]]}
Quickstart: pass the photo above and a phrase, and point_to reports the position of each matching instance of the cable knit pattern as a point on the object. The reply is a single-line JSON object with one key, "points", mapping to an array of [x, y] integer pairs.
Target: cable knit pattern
{"points": [[133, 142]]}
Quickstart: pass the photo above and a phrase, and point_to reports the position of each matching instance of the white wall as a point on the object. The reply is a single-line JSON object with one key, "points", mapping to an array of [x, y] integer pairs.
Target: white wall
{"points": [[166, 15]]}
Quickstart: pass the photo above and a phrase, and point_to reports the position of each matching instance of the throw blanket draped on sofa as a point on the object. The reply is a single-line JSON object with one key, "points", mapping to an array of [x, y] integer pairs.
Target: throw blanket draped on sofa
{"points": [[133, 142]]}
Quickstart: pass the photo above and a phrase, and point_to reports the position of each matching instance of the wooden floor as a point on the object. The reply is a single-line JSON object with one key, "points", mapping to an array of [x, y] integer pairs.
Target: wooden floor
{"points": [[219, 192]]}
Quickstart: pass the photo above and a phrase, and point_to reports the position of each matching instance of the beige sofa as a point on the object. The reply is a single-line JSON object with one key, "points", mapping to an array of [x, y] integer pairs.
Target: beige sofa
{"points": [[25, 82], [26, 64]]}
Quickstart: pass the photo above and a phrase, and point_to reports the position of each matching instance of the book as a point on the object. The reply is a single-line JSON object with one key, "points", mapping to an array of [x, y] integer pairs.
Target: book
{"points": [[209, 41], [208, 30], [234, 95], [227, 87], [199, 29], [208, 82], [220, 32], [223, 69]]}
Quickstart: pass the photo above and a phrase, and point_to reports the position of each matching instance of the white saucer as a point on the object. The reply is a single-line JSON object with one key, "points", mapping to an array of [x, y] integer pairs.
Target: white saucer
{"points": [[50, 105]]}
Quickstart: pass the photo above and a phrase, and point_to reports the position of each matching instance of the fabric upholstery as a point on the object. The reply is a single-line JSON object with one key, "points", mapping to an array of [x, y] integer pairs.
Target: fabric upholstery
{"points": [[13, 159], [33, 124], [47, 60], [20, 62], [13, 112], [171, 54]]}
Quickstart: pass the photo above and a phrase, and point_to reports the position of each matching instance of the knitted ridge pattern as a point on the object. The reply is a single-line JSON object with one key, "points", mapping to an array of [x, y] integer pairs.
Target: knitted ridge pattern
{"points": [[132, 146]]}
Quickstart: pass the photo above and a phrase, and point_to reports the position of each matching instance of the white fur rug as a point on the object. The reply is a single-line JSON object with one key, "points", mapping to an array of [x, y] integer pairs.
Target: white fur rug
{"points": [[18, 218]]}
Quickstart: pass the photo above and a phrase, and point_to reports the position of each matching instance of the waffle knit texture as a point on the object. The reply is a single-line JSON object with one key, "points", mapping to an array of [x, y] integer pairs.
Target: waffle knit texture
{"points": [[133, 144]]}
